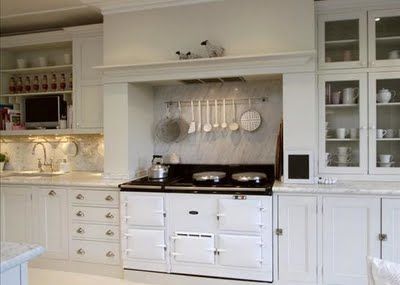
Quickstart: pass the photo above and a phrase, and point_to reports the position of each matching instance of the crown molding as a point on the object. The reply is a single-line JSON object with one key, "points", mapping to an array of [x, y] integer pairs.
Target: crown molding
{"points": [[85, 30], [329, 6], [229, 66], [108, 7], [35, 39]]}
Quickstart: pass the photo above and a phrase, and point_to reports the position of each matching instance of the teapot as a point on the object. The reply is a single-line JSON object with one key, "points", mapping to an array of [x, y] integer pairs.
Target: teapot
{"points": [[385, 95]]}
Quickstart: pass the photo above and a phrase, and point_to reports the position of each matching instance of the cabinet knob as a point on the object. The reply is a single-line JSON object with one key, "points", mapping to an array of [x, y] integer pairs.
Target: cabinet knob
{"points": [[52, 193], [80, 251], [109, 198], [383, 237], [279, 232], [110, 233], [80, 214], [109, 216], [110, 254], [80, 197], [80, 231]]}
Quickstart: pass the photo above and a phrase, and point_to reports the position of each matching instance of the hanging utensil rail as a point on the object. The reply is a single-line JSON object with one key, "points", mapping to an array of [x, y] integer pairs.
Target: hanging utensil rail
{"points": [[228, 101]]}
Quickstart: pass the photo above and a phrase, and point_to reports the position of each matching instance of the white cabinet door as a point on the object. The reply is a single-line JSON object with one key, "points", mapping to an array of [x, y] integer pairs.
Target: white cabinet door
{"points": [[240, 215], [193, 248], [144, 210], [297, 244], [350, 233], [391, 228], [88, 88], [16, 214], [51, 226], [145, 244], [240, 251]]}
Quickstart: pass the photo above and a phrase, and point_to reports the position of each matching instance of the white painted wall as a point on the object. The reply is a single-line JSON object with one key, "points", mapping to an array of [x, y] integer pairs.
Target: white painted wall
{"points": [[300, 113], [243, 27]]}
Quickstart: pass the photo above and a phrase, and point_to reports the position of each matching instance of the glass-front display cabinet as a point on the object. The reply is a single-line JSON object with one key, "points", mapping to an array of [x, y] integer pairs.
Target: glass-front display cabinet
{"points": [[342, 40], [384, 122], [384, 37], [343, 123]]}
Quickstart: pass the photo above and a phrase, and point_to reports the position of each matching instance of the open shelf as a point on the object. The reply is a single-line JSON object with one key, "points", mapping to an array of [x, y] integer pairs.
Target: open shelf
{"points": [[37, 93], [388, 104], [50, 132], [341, 105], [341, 140], [38, 69], [388, 39], [388, 139], [341, 42]]}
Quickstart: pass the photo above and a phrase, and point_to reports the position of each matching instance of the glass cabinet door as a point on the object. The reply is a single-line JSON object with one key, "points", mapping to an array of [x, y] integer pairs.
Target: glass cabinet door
{"points": [[343, 123], [384, 108], [342, 40], [384, 41]]}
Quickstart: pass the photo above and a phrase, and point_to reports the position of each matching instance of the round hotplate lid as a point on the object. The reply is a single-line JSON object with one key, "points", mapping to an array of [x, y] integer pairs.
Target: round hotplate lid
{"points": [[209, 176], [249, 176]]}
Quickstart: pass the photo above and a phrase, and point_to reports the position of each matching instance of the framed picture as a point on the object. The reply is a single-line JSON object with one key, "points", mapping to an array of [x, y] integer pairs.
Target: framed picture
{"points": [[299, 167]]}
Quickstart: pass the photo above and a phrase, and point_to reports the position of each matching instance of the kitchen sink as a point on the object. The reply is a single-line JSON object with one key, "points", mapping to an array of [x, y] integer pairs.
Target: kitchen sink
{"points": [[35, 174]]}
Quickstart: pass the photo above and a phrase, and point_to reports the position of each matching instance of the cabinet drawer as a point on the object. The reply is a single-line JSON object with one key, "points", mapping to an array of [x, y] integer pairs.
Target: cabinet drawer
{"points": [[96, 252], [89, 197], [104, 232], [99, 215]]}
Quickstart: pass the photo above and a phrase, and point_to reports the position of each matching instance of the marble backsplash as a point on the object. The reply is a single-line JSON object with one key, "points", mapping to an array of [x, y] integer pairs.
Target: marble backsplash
{"points": [[89, 157], [221, 145]]}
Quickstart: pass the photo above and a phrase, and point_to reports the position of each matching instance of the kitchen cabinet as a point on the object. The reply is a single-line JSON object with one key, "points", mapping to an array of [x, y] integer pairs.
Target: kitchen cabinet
{"points": [[51, 225], [88, 88], [384, 37], [342, 40], [297, 239], [16, 213], [350, 233], [391, 229]]}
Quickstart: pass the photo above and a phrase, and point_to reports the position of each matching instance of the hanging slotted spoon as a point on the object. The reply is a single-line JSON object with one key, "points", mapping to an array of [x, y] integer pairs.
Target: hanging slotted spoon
{"points": [[207, 126], [192, 126], [233, 126]]}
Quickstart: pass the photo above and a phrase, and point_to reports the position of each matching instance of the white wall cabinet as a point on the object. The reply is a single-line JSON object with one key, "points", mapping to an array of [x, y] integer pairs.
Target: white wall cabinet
{"points": [[51, 225], [16, 213], [297, 239], [391, 229], [88, 87]]}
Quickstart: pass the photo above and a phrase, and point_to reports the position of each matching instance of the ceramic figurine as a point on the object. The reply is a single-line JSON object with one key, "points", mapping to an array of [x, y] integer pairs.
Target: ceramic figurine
{"points": [[181, 55], [190, 55], [213, 50]]}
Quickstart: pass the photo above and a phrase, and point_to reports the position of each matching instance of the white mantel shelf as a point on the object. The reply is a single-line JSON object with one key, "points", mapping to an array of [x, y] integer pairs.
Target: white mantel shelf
{"points": [[229, 66]]}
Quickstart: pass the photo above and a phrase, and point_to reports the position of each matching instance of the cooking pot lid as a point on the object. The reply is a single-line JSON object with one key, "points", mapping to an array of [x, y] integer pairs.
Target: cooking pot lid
{"points": [[209, 176], [249, 176]]}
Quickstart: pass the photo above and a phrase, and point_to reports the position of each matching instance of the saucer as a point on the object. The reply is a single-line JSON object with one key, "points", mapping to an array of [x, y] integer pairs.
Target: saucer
{"points": [[386, 164]]}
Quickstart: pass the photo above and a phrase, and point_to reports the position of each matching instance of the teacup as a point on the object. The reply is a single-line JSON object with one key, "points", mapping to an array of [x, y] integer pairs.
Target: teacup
{"points": [[380, 133], [385, 158], [389, 133], [341, 133]]}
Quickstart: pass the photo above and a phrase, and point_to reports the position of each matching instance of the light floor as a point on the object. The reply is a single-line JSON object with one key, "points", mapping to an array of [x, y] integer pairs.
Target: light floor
{"points": [[52, 277]]}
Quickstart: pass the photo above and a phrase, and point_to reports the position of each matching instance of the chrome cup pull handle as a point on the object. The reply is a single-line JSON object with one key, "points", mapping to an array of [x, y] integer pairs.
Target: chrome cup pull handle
{"points": [[109, 233], [80, 214], [80, 251], [80, 197], [109, 216], [52, 193], [109, 198]]}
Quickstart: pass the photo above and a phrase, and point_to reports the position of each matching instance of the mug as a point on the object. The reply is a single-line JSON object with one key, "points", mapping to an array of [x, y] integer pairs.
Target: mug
{"points": [[341, 133], [42, 61], [380, 133], [389, 133], [336, 97], [353, 133], [349, 95], [21, 63], [394, 54], [385, 158]]}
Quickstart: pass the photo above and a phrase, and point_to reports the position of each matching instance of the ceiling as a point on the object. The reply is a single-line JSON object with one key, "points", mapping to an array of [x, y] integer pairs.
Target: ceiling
{"points": [[24, 16]]}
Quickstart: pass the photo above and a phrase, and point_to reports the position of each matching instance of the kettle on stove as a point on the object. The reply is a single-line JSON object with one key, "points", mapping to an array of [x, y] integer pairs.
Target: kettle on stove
{"points": [[157, 169]]}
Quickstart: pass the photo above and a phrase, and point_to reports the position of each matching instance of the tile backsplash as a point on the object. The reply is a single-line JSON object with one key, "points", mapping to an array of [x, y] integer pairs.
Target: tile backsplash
{"points": [[221, 145], [90, 155]]}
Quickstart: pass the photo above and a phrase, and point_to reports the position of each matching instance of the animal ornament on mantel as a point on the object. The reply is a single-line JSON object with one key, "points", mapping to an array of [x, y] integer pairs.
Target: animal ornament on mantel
{"points": [[191, 55], [182, 55], [212, 49]]}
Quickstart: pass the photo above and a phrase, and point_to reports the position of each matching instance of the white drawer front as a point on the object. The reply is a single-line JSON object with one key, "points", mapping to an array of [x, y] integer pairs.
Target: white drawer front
{"points": [[240, 215], [145, 244], [194, 248], [240, 251], [145, 210], [96, 252], [89, 197], [88, 231], [99, 215]]}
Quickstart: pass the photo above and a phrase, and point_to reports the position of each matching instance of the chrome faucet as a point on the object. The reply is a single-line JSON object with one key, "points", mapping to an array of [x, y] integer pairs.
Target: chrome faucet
{"points": [[44, 163]]}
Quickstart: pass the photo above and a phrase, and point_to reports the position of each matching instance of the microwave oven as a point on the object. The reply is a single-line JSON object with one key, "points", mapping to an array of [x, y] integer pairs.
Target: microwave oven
{"points": [[44, 111]]}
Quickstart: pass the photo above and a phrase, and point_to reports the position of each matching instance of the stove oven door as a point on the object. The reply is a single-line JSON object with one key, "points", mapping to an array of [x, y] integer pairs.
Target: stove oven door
{"points": [[145, 244], [193, 248], [240, 215], [240, 251], [144, 210]]}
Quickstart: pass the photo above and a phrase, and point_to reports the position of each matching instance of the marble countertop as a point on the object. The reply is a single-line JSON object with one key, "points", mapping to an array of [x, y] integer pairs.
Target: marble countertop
{"points": [[341, 187], [78, 178], [13, 254]]}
